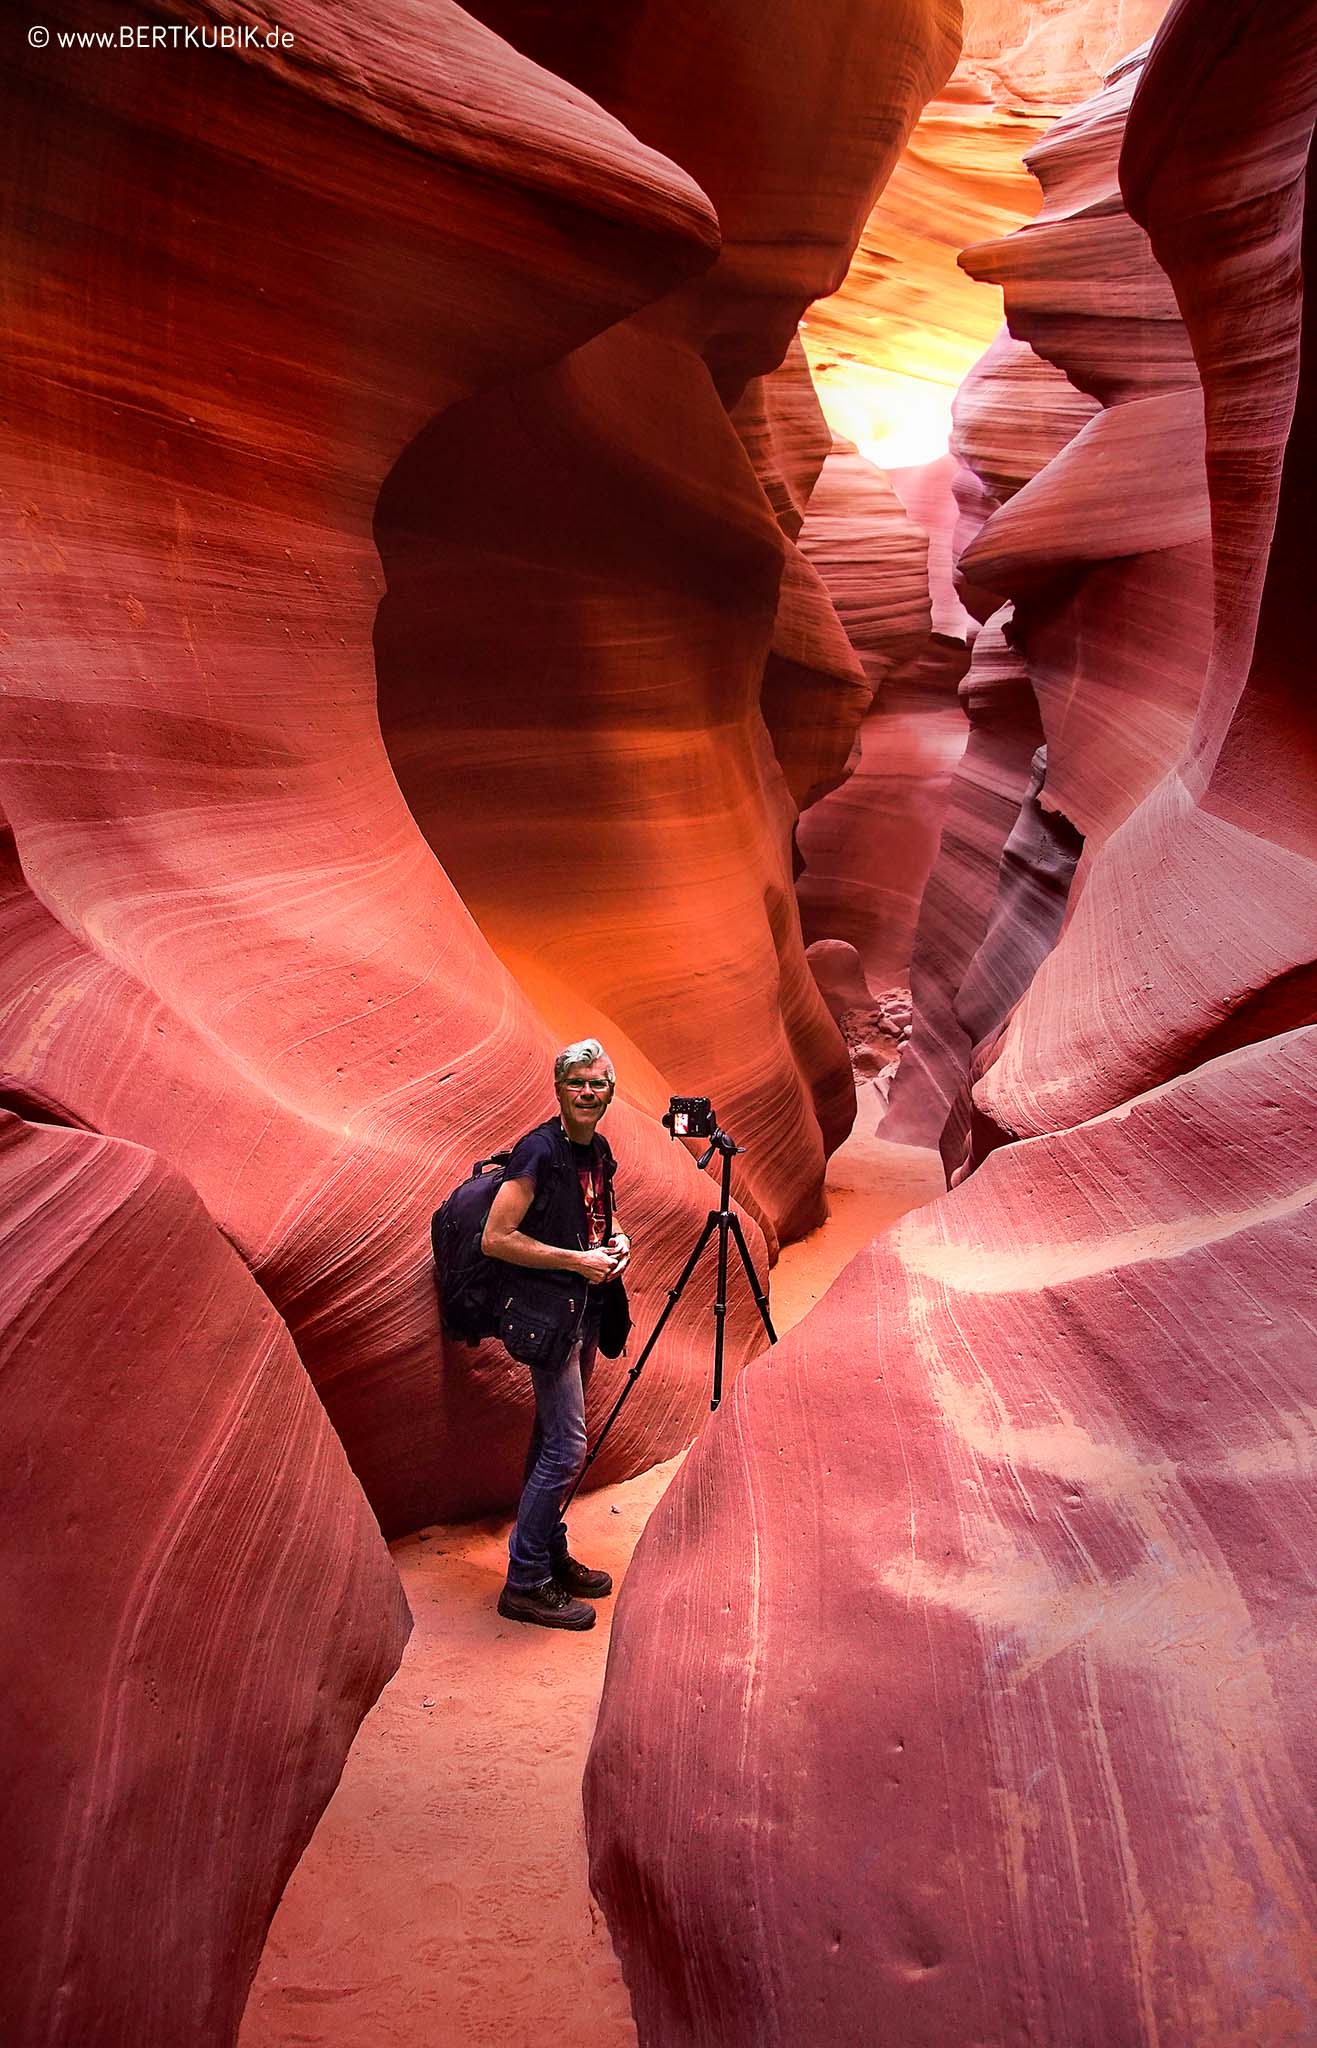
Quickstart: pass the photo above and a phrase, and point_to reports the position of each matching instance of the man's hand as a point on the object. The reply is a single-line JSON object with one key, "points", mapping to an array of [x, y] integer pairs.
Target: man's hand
{"points": [[619, 1244], [596, 1265]]}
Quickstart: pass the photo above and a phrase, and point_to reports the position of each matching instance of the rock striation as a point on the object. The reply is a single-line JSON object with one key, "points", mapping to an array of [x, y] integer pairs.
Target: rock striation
{"points": [[961, 1688], [199, 1606], [640, 618], [226, 938], [961, 1685], [394, 296], [988, 915], [1103, 550], [891, 346], [866, 850]]}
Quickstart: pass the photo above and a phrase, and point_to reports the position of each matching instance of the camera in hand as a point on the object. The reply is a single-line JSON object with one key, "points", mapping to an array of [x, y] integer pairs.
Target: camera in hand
{"points": [[690, 1116]]}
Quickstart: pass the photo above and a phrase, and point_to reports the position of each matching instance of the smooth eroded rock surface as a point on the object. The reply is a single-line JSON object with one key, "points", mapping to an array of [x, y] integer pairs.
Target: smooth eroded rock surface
{"points": [[198, 1605], [962, 1689], [597, 621], [235, 298], [1103, 550]]}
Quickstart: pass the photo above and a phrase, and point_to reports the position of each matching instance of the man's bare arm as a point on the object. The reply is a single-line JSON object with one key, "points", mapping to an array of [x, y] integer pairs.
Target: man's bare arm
{"points": [[502, 1239]]}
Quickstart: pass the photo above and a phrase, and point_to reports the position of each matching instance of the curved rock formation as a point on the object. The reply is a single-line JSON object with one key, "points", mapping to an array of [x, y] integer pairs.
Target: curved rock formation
{"points": [[227, 939], [251, 293], [1118, 658], [1104, 550], [983, 803], [866, 849], [595, 771], [1014, 414], [962, 1687], [890, 348], [1033, 55], [638, 614], [1224, 200], [199, 1606]]}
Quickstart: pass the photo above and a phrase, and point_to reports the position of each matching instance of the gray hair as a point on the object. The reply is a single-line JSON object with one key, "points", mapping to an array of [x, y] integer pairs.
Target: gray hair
{"points": [[583, 1053]]}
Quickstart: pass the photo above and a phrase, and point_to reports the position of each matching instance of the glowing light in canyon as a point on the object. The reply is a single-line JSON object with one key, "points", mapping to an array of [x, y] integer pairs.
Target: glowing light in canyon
{"points": [[888, 349]]}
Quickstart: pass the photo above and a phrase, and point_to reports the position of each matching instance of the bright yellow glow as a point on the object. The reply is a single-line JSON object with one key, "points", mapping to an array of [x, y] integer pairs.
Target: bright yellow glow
{"points": [[888, 351], [894, 420]]}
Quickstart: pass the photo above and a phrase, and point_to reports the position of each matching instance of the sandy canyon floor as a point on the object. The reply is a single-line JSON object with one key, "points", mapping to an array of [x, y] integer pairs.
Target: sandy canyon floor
{"points": [[443, 1902]]}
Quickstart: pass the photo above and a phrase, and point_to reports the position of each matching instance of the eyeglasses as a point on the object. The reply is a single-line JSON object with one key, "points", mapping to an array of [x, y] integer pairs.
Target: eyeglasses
{"points": [[581, 1087]]}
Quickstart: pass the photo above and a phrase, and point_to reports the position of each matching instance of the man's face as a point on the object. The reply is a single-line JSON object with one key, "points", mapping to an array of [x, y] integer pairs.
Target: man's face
{"points": [[585, 1093]]}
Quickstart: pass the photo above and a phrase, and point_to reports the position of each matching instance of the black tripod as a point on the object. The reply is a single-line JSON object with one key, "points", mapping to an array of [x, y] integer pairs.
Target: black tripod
{"points": [[727, 1225]]}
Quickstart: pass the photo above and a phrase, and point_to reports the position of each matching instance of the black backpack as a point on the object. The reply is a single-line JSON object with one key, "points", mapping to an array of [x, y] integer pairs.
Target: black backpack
{"points": [[469, 1282], [465, 1277]]}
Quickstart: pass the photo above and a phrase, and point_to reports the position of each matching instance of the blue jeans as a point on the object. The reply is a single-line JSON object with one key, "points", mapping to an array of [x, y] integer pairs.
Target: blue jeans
{"points": [[557, 1453]]}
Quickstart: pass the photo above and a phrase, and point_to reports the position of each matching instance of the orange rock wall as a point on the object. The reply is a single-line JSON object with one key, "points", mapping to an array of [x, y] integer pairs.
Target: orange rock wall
{"points": [[866, 849], [1103, 551], [962, 1686], [272, 322], [226, 937], [888, 350], [638, 617]]}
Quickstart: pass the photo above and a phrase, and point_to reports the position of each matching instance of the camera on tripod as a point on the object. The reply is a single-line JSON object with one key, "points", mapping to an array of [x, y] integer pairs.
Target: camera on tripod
{"points": [[690, 1116]]}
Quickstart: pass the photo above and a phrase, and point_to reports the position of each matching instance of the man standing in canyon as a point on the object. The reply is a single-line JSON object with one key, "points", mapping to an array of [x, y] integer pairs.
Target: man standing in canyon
{"points": [[554, 1213]]}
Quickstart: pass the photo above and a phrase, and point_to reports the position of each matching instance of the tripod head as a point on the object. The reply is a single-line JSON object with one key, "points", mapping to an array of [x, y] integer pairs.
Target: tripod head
{"points": [[720, 1141]]}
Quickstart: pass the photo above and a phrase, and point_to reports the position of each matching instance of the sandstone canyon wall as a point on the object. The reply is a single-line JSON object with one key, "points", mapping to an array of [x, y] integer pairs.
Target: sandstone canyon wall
{"points": [[1085, 433], [198, 1606], [226, 937], [866, 850], [962, 1687], [585, 565], [258, 309], [887, 351]]}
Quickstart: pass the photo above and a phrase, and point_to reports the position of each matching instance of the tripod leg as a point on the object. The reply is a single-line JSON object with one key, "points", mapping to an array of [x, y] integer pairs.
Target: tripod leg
{"points": [[674, 1296], [720, 1310], [761, 1299]]}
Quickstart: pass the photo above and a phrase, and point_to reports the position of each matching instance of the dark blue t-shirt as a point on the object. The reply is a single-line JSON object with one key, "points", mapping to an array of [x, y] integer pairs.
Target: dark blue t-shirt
{"points": [[547, 1157]]}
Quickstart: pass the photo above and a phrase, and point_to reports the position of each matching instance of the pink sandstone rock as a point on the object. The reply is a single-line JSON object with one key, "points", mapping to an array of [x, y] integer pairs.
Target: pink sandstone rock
{"points": [[1031, 54], [815, 688], [226, 937], [1013, 414], [907, 321], [983, 803], [1104, 550], [790, 117], [639, 620], [1216, 166], [866, 847], [199, 1608], [836, 967], [782, 429], [890, 347], [962, 1687]]}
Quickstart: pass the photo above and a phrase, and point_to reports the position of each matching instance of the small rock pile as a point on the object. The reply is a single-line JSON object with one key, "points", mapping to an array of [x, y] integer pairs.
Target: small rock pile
{"points": [[876, 1034]]}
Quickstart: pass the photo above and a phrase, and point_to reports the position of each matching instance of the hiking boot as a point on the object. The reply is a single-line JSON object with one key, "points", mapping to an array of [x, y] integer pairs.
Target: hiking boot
{"points": [[580, 1580], [551, 1605]]}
